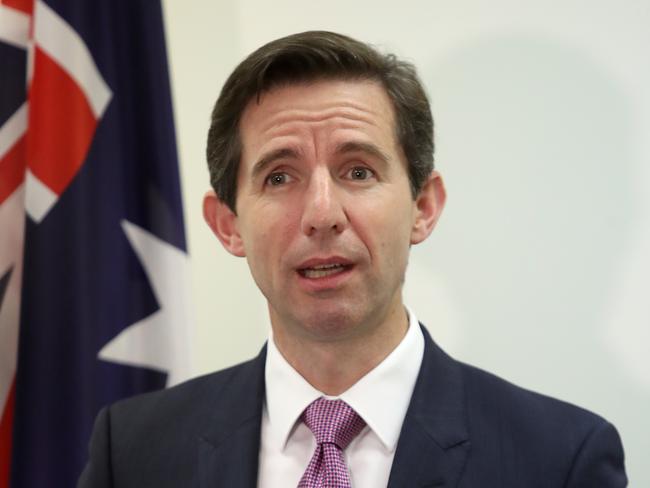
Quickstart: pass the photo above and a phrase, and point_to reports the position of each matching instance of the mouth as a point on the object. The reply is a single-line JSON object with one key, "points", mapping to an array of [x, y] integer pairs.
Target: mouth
{"points": [[323, 270]]}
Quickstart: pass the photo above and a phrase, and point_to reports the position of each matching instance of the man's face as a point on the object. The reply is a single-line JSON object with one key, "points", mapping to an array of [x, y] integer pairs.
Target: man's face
{"points": [[325, 214]]}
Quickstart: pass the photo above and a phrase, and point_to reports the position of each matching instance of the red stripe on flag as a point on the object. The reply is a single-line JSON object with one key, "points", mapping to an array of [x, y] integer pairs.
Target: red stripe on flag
{"points": [[61, 124], [26, 6], [12, 170], [5, 437]]}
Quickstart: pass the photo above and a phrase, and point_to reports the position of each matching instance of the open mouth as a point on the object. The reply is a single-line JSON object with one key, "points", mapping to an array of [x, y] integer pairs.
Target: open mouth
{"points": [[323, 270]]}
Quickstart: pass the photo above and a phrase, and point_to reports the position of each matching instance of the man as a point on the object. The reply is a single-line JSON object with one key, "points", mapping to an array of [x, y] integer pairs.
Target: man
{"points": [[321, 160]]}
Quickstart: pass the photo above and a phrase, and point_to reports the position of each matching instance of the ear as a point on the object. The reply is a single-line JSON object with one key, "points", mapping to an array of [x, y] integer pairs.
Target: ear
{"points": [[223, 222], [428, 207]]}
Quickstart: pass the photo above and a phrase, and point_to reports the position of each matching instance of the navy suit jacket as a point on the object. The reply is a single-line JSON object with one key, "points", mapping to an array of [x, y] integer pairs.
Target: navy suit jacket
{"points": [[464, 428]]}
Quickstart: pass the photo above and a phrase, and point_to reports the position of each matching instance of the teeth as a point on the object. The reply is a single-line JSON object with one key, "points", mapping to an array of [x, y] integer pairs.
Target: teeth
{"points": [[326, 266], [322, 270]]}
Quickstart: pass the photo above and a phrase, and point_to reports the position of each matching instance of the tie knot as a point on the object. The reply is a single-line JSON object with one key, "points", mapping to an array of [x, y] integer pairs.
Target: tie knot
{"points": [[332, 421]]}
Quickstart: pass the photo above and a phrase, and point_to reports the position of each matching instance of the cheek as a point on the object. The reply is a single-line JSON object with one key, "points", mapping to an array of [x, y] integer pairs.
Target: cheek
{"points": [[269, 235], [385, 237], [394, 232]]}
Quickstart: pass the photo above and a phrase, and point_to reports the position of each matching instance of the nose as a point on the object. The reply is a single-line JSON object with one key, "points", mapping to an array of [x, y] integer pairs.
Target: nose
{"points": [[323, 211]]}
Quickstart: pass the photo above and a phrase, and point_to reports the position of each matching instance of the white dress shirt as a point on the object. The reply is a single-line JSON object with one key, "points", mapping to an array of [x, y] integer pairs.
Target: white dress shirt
{"points": [[381, 398]]}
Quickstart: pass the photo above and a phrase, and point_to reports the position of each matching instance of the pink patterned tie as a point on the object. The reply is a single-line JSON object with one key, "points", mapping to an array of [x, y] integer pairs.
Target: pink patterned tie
{"points": [[334, 424]]}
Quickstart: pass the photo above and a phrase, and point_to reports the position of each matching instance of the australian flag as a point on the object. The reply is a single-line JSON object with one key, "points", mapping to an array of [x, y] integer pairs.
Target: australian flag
{"points": [[92, 248]]}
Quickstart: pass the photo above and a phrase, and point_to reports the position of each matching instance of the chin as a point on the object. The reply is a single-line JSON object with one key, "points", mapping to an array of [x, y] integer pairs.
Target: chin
{"points": [[331, 322]]}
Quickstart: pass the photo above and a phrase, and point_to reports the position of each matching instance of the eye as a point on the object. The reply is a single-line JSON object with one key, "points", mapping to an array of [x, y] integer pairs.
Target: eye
{"points": [[360, 173], [277, 179]]}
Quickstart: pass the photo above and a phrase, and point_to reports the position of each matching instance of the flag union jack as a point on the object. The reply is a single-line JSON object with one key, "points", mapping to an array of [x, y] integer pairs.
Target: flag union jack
{"points": [[93, 258]]}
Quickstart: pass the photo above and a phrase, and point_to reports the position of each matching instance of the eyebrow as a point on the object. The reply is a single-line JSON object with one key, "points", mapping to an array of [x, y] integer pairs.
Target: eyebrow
{"points": [[344, 148], [365, 147], [267, 159]]}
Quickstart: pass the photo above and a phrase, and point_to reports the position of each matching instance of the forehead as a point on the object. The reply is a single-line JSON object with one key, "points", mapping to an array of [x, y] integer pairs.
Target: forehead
{"points": [[359, 109]]}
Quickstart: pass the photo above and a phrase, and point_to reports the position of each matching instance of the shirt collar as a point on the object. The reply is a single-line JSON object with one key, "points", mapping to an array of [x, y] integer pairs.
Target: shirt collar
{"points": [[391, 382]]}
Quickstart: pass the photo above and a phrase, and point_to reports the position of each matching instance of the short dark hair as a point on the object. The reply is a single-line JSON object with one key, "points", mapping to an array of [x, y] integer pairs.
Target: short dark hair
{"points": [[311, 56]]}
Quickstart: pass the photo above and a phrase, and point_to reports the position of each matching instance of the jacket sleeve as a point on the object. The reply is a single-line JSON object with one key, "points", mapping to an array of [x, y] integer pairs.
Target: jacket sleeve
{"points": [[98, 473], [599, 461]]}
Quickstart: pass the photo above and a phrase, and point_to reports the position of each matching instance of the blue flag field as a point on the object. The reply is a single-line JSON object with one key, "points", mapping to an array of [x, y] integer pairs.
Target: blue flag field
{"points": [[93, 259]]}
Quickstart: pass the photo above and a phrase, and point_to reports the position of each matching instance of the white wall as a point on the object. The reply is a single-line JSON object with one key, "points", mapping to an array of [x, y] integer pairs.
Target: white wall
{"points": [[540, 268]]}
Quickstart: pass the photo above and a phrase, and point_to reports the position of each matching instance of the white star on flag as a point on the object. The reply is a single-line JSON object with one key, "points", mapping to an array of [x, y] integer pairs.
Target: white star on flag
{"points": [[161, 340]]}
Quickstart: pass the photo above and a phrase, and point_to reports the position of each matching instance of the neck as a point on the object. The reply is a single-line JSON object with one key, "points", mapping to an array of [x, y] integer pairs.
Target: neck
{"points": [[333, 365]]}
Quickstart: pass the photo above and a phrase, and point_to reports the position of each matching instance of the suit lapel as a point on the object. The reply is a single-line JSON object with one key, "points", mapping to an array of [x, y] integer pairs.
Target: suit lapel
{"points": [[434, 441], [229, 449]]}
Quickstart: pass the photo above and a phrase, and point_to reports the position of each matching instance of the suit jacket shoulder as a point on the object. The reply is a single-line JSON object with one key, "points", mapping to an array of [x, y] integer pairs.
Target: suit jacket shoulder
{"points": [[469, 428], [547, 438], [172, 437]]}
